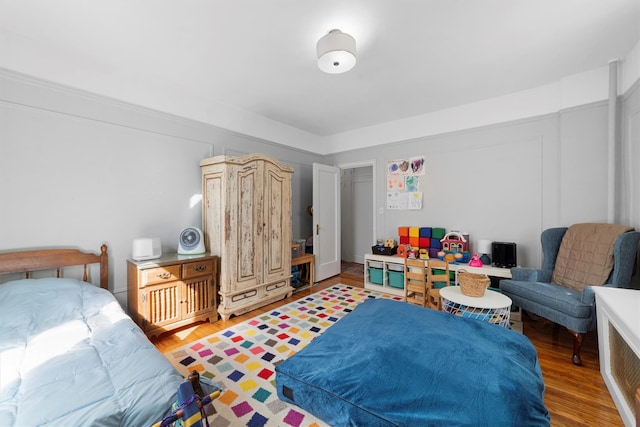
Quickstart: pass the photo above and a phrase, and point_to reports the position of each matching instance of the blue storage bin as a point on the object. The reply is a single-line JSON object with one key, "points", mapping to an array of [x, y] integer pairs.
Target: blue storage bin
{"points": [[396, 279], [375, 275]]}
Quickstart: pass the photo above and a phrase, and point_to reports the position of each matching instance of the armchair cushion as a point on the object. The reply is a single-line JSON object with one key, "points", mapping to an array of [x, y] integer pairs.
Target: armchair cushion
{"points": [[549, 295], [585, 257], [530, 275]]}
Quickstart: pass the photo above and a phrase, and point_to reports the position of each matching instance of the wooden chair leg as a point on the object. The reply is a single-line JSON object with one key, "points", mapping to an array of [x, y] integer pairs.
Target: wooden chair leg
{"points": [[555, 332], [578, 338]]}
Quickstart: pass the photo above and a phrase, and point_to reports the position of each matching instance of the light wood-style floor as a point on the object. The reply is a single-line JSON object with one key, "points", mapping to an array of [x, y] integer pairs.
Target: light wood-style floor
{"points": [[575, 396]]}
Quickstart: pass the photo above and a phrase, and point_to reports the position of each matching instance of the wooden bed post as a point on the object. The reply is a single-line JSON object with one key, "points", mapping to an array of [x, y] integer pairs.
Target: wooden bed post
{"points": [[104, 268]]}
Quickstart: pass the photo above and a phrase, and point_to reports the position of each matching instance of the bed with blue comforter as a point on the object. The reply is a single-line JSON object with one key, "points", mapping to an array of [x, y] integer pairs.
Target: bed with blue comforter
{"points": [[389, 363], [70, 356]]}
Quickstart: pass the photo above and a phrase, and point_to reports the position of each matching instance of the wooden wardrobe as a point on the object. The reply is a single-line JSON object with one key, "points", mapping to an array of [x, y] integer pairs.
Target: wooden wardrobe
{"points": [[247, 223]]}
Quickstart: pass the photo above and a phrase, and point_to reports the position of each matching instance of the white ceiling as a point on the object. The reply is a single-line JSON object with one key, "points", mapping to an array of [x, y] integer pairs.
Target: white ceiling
{"points": [[238, 63]]}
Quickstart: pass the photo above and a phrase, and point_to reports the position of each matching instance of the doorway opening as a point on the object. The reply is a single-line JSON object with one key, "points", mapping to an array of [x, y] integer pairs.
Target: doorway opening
{"points": [[357, 208]]}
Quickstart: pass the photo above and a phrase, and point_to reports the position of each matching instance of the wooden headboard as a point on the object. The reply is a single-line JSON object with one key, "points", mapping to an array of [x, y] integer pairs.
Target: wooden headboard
{"points": [[55, 259]]}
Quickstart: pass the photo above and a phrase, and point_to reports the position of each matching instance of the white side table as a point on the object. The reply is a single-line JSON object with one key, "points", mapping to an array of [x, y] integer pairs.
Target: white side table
{"points": [[493, 307]]}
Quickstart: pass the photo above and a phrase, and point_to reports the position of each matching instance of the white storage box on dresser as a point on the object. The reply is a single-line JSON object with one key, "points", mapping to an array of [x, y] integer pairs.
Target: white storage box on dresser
{"points": [[247, 222]]}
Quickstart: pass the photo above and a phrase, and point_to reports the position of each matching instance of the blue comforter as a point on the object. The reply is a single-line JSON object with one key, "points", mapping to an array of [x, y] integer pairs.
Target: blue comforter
{"points": [[70, 356], [389, 363]]}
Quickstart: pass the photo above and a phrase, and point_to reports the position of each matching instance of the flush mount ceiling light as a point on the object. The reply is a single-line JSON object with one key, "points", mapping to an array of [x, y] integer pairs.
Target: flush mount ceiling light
{"points": [[336, 52]]}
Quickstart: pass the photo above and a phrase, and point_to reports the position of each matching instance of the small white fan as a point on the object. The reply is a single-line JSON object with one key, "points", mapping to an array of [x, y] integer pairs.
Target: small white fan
{"points": [[191, 241]]}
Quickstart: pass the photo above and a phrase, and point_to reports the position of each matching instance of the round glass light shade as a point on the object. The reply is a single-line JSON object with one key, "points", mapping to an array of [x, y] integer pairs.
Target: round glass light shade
{"points": [[336, 52]]}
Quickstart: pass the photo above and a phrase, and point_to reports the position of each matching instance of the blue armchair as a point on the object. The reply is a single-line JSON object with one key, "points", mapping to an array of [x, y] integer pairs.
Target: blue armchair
{"points": [[534, 291]]}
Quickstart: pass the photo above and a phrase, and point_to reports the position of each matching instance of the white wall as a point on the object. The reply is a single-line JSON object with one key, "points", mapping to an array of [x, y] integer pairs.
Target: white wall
{"points": [[490, 182], [77, 182], [628, 194], [511, 181], [65, 154], [78, 170]]}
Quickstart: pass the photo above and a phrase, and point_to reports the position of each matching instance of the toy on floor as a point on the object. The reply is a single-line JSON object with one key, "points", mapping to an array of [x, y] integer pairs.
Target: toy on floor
{"points": [[295, 276], [190, 405]]}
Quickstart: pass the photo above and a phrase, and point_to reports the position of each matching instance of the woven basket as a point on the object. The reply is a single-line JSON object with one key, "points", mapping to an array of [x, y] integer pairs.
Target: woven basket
{"points": [[473, 284]]}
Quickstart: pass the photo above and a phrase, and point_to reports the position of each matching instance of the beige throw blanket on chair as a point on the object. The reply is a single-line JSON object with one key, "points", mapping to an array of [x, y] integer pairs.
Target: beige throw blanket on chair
{"points": [[585, 257]]}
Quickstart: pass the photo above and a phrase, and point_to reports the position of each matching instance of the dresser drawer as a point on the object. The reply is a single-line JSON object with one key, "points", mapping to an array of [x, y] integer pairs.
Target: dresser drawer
{"points": [[195, 269], [157, 275], [276, 288]]}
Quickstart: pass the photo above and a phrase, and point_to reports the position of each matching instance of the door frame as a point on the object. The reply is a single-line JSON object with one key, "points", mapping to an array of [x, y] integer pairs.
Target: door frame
{"points": [[361, 164]]}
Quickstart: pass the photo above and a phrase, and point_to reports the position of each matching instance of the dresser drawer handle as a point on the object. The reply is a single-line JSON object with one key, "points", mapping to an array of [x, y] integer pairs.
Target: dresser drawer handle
{"points": [[201, 268], [165, 275]]}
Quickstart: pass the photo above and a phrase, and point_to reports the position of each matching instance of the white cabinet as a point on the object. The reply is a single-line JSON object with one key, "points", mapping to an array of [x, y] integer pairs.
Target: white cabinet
{"points": [[377, 277], [379, 272], [247, 222], [619, 345]]}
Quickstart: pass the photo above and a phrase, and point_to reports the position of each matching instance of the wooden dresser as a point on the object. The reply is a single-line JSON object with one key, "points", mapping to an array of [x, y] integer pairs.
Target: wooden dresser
{"points": [[172, 291], [247, 222]]}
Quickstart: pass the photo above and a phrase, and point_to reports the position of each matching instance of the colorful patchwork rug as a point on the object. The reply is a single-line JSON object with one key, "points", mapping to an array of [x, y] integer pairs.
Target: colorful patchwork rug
{"points": [[242, 358]]}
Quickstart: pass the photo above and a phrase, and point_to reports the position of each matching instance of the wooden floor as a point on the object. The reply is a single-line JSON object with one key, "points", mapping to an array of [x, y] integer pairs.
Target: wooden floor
{"points": [[575, 396]]}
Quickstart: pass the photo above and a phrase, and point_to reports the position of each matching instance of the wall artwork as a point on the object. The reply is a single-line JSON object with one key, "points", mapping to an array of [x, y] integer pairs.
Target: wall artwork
{"points": [[403, 183]]}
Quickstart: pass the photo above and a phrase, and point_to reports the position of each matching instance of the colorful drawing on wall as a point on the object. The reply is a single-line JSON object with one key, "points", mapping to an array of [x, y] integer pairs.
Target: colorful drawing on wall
{"points": [[403, 183], [404, 200], [398, 167], [415, 200], [394, 201], [417, 165], [395, 183], [412, 183]]}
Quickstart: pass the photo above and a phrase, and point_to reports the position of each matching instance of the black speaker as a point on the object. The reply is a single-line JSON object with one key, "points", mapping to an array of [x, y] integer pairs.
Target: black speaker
{"points": [[504, 254]]}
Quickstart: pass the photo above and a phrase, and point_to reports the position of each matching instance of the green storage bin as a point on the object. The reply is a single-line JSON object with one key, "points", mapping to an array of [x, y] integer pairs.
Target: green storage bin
{"points": [[375, 275], [396, 279]]}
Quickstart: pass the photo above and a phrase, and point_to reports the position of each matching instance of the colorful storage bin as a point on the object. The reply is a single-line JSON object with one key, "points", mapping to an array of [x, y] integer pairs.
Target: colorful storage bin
{"points": [[425, 232], [396, 279], [375, 275], [403, 231], [414, 232]]}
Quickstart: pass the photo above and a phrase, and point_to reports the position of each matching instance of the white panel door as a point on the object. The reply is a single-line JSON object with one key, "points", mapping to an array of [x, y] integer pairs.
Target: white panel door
{"points": [[326, 221]]}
